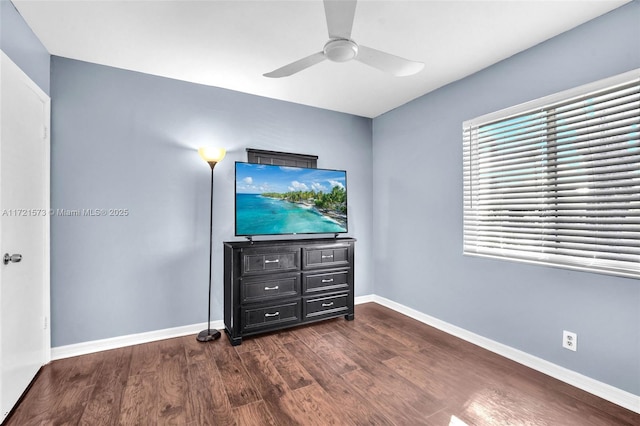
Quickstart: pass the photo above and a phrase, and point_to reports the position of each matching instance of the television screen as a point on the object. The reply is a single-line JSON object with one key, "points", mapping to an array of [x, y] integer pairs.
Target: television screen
{"points": [[274, 200]]}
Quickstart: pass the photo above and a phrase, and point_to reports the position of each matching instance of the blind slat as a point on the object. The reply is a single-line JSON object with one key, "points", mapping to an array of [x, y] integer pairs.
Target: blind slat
{"points": [[559, 182], [610, 180]]}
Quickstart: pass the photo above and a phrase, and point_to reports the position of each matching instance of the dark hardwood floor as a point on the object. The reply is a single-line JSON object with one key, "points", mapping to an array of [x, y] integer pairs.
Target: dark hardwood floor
{"points": [[381, 369]]}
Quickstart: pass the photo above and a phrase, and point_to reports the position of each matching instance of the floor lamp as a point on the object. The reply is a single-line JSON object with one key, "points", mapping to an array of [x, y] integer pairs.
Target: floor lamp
{"points": [[212, 156]]}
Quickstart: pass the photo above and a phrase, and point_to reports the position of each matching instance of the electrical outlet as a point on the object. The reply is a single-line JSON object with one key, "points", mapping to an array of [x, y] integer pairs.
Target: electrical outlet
{"points": [[569, 340]]}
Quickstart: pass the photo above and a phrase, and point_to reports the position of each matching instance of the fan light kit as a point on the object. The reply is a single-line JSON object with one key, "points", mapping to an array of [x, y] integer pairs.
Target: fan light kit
{"points": [[341, 48]]}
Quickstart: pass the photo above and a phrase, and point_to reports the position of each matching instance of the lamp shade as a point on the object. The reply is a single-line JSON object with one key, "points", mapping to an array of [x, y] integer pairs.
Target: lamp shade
{"points": [[212, 155]]}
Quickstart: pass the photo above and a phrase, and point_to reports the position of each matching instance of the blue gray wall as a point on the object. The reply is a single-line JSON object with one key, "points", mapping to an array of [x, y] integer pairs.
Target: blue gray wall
{"points": [[22, 46], [126, 140], [417, 159]]}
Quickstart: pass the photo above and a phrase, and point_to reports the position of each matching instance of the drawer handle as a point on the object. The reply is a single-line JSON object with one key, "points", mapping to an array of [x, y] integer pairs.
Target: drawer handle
{"points": [[327, 256], [326, 305], [328, 281], [272, 261], [275, 314], [272, 288]]}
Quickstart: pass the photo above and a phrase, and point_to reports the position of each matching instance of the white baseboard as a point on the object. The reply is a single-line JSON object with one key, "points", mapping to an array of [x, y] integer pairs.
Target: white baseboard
{"points": [[617, 396], [595, 387], [364, 299], [92, 346], [84, 348]]}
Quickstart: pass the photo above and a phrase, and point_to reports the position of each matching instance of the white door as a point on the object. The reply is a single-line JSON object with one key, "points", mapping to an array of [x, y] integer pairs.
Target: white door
{"points": [[24, 232]]}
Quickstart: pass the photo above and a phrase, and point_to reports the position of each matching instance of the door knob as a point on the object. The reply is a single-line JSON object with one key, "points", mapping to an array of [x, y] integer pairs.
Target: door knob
{"points": [[14, 258]]}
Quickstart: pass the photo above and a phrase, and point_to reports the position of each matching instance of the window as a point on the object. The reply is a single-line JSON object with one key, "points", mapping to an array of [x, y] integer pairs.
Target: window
{"points": [[557, 181]]}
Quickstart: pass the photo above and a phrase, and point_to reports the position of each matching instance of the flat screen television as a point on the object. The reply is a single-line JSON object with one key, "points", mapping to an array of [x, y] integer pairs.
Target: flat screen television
{"points": [[278, 200]]}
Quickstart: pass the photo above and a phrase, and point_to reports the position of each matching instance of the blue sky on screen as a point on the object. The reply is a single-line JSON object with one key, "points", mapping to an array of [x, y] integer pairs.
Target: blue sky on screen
{"points": [[261, 178]]}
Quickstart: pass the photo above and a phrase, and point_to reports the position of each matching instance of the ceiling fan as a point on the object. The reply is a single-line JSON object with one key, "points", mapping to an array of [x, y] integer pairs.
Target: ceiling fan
{"points": [[341, 48]]}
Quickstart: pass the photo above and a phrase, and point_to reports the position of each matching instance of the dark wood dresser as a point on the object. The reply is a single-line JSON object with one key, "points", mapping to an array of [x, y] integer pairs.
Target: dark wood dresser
{"points": [[270, 285]]}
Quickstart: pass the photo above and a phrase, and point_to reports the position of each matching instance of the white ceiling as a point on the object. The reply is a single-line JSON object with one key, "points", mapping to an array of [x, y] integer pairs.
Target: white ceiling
{"points": [[230, 44]]}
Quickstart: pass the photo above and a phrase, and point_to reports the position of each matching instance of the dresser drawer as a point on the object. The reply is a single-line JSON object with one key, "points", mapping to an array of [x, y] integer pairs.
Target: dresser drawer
{"points": [[258, 289], [325, 257], [326, 306], [268, 316], [325, 281], [256, 262]]}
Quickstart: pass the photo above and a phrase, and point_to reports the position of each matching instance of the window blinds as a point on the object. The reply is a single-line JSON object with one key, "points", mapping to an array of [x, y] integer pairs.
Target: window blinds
{"points": [[557, 181]]}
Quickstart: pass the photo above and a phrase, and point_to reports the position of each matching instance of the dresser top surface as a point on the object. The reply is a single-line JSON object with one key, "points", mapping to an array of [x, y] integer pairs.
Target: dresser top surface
{"points": [[290, 242]]}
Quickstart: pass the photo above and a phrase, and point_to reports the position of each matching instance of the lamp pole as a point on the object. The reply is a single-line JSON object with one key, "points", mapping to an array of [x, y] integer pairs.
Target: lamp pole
{"points": [[212, 157]]}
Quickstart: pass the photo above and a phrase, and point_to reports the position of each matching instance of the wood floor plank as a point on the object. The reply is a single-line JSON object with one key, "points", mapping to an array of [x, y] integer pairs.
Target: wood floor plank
{"points": [[506, 406], [145, 359], [438, 372], [173, 382], [445, 417], [549, 405], [285, 336], [419, 338], [392, 404], [237, 383], [312, 406], [441, 381], [287, 365], [254, 414], [571, 395], [69, 384], [364, 337], [359, 410], [250, 344], [383, 376], [306, 333], [336, 360], [381, 369], [51, 383], [271, 387], [103, 406], [445, 378], [208, 401], [74, 380], [435, 344], [196, 351], [207, 396], [140, 400]]}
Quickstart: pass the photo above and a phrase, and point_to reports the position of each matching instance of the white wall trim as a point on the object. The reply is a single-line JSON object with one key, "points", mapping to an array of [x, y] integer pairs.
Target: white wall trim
{"points": [[617, 396], [92, 346], [365, 299], [84, 348]]}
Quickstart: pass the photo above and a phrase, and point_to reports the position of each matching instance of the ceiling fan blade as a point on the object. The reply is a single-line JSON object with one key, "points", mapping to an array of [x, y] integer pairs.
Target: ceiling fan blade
{"points": [[296, 66], [387, 62], [340, 15]]}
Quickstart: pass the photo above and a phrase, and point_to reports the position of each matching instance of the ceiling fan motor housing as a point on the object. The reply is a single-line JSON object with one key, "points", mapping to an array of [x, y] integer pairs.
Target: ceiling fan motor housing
{"points": [[340, 50]]}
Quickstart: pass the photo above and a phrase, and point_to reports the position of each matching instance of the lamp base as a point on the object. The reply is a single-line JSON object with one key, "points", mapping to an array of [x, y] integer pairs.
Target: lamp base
{"points": [[208, 335]]}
